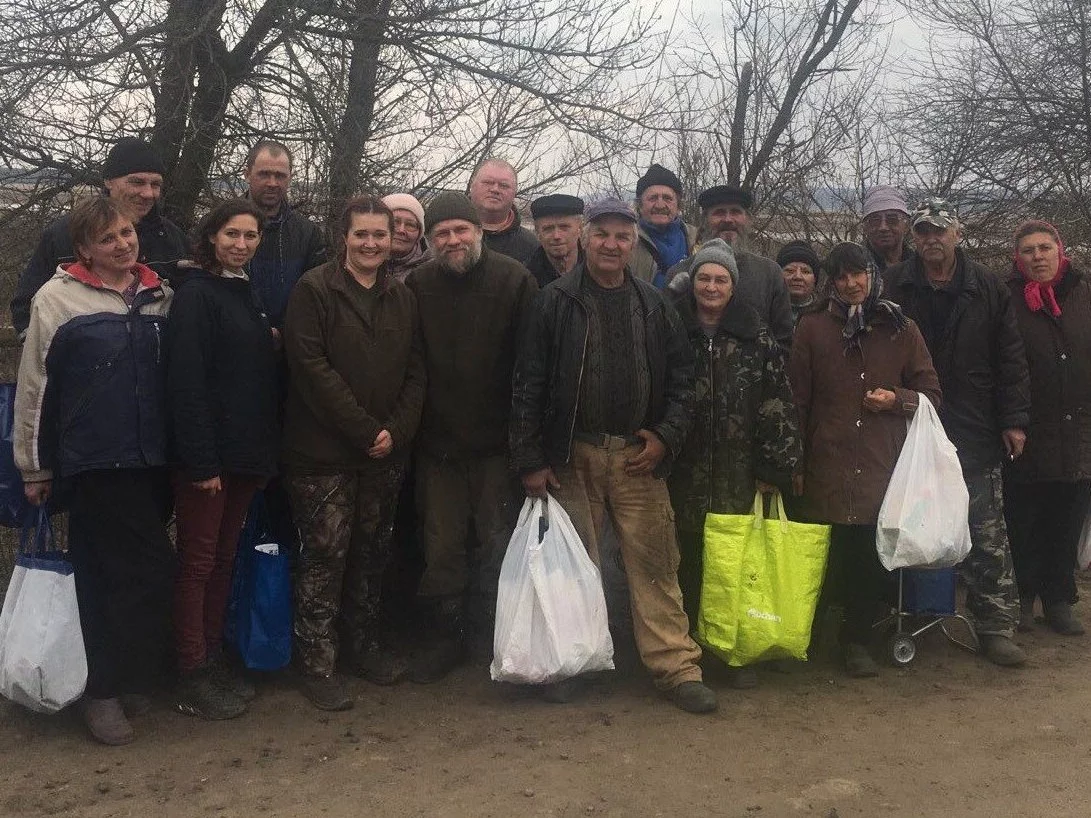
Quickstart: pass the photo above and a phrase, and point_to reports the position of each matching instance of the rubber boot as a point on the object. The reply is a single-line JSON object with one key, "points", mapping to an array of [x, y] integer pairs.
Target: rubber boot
{"points": [[447, 649]]}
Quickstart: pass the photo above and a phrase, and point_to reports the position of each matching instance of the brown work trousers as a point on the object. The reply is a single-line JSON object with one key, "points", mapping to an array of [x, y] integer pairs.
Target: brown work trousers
{"points": [[594, 484]]}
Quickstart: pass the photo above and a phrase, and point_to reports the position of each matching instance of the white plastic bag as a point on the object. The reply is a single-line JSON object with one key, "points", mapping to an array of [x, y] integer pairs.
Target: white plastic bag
{"points": [[1083, 555], [43, 665], [924, 519], [550, 610]]}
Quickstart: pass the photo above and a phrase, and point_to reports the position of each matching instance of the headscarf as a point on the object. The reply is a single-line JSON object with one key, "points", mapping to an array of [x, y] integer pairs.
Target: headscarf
{"points": [[1039, 294], [858, 317]]}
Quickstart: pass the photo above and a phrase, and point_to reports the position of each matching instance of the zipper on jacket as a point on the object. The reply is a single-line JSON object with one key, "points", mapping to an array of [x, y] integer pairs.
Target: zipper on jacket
{"points": [[579, 377]]}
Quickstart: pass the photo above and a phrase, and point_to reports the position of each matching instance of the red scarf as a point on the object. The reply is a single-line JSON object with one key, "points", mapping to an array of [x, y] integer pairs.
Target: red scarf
{"points": [[1039, 294]]}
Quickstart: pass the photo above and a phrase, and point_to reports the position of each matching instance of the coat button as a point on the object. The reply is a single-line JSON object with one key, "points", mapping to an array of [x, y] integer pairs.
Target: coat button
{"points": [[859, 423], [1064, 357], [1068, 417], [861, 376]]}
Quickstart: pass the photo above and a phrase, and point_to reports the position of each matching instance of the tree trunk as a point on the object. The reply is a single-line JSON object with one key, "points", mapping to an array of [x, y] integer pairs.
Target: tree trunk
{"points": [[738, 125]]}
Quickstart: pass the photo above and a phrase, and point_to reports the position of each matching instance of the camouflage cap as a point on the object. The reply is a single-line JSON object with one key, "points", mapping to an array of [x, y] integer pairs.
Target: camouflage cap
{"points": [[935, 211]]}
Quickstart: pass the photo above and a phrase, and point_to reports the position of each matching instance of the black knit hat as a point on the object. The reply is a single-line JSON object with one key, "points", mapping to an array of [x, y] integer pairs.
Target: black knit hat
{"points": [[658, 175], [131, 155], [556, 204], [725, 194], [799, 251], [449, 205]]}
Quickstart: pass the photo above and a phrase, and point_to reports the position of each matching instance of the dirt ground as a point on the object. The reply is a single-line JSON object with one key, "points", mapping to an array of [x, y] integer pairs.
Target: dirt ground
{"points": [[949, 736]]}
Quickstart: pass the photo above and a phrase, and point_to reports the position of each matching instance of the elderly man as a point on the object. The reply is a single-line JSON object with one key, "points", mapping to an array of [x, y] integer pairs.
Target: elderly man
{"points": [[598, 426], [663, 238], [408, 249], [132, 175], [492, 191], [964, 313], [557, 222], [886, 226], [472, 302], [290, 244], [726, 212]]}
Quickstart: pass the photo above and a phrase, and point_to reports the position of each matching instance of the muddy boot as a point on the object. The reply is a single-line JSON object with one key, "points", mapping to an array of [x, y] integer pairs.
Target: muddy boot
{"points": [[199, 695], [1000, 650], [858, 662], [106, 721], [379, 666], [326, 692], [447, 650], [693, 697], [231, 679], [1060, 618]]}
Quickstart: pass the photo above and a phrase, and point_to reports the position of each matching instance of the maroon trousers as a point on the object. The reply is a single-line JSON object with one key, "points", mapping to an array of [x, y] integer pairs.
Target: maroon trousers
{"points": [[208, 532]]}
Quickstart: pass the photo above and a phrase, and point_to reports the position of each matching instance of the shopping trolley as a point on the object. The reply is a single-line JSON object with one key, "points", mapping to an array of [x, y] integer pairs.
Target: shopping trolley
{"points": [[928, 595]]}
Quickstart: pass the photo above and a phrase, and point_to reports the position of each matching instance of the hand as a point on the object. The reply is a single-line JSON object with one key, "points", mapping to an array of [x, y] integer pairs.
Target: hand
{"points": [[650, 456], [209, 486], [537, 483], [764, 488], [880, 400], [383, 445], [38, 491], [277, 339], [797, 485], [1014, 441]]}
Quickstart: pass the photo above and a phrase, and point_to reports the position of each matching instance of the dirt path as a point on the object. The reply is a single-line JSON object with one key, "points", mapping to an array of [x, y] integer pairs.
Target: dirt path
{"points": [[950, 736]]}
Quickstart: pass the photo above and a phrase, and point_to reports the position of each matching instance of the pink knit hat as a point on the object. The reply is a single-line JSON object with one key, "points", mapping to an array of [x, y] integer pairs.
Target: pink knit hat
{"points": [[403, 201]]}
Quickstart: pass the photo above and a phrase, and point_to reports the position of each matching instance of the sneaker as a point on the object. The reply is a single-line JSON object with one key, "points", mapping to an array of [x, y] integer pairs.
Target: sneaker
{"points": [[565, 691], [231, 679], [1060, 617], [106, 721], [743, 678], [437, 660], [693, 697], [380, 667], [1026, 616], [327, 692], [858, 662], [200, 695], [1001, 650]]}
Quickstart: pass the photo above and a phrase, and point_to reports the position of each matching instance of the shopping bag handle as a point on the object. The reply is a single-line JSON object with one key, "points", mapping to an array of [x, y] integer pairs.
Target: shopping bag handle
{"points": [[776, 508], [42, 526]]}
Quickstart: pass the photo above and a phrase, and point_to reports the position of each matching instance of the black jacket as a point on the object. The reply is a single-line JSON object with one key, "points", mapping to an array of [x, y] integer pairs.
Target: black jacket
{"points": [[221, 378], [162, 244], [978, 355], [514, 241], [550, 364], [542, 268], [290, 246]]}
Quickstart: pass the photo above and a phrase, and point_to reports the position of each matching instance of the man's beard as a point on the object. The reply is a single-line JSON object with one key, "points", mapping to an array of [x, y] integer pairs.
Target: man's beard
{"points": [[740, 234], [473, 255]]}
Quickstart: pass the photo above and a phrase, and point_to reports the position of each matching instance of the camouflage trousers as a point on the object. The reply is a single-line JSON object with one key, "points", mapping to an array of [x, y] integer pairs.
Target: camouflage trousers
{"points": [[991, 594], [345, 525]]}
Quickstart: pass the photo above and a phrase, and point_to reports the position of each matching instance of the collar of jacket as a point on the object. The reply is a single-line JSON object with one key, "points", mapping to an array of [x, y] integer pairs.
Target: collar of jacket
{"points": [[572, 283], [1073, 276], [339, 276], [282, 214], [910, 274], [516, 223], [146, 275], [738, 318]]}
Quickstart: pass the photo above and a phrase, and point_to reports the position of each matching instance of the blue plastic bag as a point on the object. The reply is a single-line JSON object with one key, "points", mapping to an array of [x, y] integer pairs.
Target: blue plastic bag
{"points": [[15, 511], [259, 621]]}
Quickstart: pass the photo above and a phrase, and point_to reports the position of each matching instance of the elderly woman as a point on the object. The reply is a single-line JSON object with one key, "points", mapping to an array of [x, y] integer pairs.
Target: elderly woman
{"points": [[857, 368], [745, 435], [1047, 490], [90, 411], [354, 403], [408, 249], [221, 391], [800, 265]]}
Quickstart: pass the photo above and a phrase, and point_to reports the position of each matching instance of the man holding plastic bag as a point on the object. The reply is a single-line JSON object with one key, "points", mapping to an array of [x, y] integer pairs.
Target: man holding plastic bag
{"points": [[965, 315], [603, 399]]}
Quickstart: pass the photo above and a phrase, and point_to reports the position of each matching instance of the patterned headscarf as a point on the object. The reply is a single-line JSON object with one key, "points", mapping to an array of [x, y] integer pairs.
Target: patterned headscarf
{"points": [[858, 317], [1039, 294]]}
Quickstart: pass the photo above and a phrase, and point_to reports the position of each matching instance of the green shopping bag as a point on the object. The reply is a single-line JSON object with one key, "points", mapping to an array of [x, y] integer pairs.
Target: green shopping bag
{"points": [[761, 584]]}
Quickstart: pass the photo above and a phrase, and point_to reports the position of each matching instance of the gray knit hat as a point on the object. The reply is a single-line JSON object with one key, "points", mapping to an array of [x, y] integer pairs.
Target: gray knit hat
{"points": [[449, 205], [716, 251]]}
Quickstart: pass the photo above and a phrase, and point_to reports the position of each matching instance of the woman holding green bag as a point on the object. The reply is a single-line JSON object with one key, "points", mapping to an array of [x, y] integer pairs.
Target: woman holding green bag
{"points": [[856, 369]]}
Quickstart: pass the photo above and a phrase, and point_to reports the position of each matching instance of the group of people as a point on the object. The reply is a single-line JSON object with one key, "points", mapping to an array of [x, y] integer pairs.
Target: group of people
{"points": [[641, 371]]}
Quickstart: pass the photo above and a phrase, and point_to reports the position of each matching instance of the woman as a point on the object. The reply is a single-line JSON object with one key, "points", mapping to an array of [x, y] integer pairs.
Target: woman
{"points": [[800, 265], [857, 368], [408, 249], [90, 411], [1047, 490], [354, 402], [745, 435], [221, 390]]}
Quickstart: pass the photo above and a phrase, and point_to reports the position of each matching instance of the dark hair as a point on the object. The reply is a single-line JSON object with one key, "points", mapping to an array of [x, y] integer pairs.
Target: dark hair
{"points": [[91, 216], [271, 145], [1029, 228], [363, 204], [844, 257], [213, 222]]}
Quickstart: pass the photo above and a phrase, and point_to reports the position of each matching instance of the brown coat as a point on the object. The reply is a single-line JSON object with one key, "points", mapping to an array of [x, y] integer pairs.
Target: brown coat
{"points": [[850, 451], [1059, 354], [356, 368]]}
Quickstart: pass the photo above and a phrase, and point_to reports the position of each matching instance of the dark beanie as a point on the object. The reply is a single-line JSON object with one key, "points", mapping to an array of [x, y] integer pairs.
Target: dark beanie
{"points": [[799, 251], [658, 175], [131, 155], [449, 205]]}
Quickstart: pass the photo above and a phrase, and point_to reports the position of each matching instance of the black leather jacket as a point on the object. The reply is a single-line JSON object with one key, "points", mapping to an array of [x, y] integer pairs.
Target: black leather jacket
{"points": [[549, 370]]}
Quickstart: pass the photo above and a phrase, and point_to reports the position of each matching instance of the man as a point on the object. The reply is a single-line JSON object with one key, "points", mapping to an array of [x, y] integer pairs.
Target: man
{"points": [[598, 426], [290, 244], [664, 239], [964, 313], [472, 301], [132, 175], [408, 249], [726, 211], [492, 191], [886, 226], [557, 222]]}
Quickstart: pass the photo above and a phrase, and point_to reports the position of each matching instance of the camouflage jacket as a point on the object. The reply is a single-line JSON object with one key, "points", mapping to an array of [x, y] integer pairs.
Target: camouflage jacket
{"points": [[745, 425]]}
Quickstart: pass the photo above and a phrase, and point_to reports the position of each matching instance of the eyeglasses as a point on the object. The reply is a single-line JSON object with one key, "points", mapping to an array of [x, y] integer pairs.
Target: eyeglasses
{"points": [[879, 219]]}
